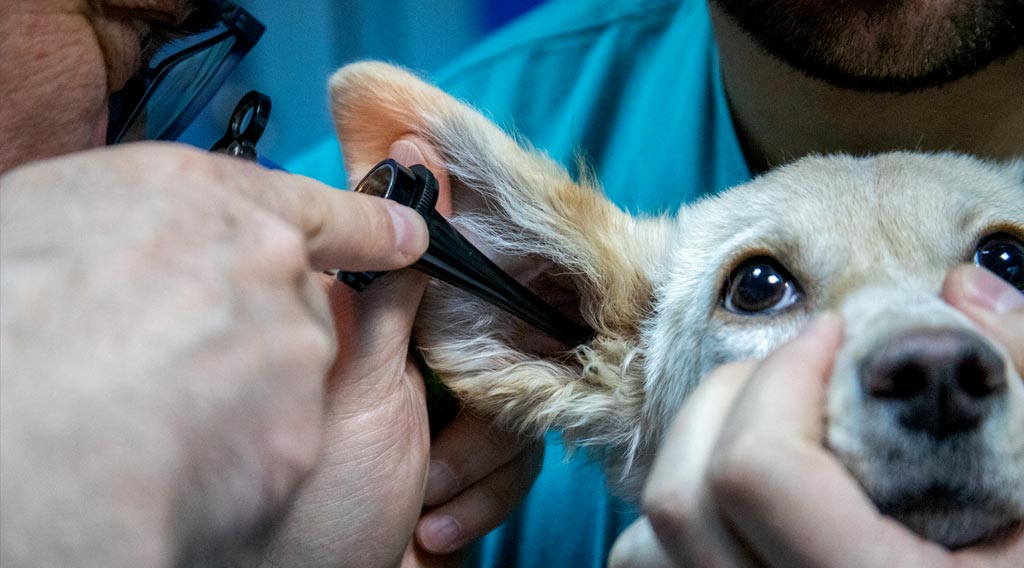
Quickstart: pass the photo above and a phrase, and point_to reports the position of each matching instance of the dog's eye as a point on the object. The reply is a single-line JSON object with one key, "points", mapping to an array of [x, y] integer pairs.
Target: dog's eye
{"points": [[1004, 256], [760, 285]]}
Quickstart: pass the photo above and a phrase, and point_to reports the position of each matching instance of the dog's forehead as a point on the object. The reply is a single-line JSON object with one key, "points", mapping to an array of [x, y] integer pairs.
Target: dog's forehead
{"points": [[844, 213]]}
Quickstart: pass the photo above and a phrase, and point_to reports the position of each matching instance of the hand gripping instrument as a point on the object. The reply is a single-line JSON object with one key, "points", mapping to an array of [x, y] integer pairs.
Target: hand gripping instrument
{"points": [[452, 259]]}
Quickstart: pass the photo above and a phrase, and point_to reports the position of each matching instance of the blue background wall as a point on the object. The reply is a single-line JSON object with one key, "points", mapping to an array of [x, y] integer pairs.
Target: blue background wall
{"points": [[305, 41]]}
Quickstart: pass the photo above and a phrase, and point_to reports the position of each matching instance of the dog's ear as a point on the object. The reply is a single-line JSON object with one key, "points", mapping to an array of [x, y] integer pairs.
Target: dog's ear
{"points": [[563, 239]]}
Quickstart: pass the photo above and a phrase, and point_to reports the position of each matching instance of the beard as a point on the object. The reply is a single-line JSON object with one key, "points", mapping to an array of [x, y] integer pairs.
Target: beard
{"points": [[883, 45]]}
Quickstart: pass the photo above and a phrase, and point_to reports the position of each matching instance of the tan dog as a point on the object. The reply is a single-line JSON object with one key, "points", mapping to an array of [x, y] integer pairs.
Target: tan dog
{"points": [[915, 389]]}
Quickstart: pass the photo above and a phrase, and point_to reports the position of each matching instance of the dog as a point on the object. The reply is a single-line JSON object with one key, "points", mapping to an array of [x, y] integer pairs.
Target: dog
{"points": [[924, 411]]}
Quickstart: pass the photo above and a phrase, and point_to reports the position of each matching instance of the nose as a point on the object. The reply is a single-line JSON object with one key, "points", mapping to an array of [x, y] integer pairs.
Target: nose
{"points": [[942, 382]]}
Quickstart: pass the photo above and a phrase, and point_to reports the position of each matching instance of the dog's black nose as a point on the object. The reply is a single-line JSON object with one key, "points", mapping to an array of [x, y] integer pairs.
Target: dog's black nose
{"points": [[941, 381]]}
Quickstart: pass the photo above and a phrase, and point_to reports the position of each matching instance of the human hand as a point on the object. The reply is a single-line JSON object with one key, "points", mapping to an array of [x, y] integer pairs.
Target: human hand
{"points": [[741, 477], [165, 346], [478, 474], [993, 305], [374, 473]]}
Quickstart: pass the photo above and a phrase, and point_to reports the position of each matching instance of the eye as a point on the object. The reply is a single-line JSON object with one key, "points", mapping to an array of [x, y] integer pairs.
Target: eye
{"points": [[1003, 255], [760, 286]]}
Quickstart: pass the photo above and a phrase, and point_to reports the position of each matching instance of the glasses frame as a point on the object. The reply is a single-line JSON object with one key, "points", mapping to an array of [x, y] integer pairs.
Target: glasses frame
{"points": [[137, 93]]}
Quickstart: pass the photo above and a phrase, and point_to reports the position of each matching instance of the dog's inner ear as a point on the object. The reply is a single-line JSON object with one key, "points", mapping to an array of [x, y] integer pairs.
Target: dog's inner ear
{"points": [[542, 277], [482, 223]]}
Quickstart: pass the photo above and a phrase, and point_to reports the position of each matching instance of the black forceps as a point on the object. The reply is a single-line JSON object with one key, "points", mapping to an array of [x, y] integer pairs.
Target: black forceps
{"points": [[452, 259]]}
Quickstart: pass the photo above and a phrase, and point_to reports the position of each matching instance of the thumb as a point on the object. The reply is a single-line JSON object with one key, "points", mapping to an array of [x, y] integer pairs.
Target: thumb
{"points": [[993, 304], [383, 315], [400, 294]]}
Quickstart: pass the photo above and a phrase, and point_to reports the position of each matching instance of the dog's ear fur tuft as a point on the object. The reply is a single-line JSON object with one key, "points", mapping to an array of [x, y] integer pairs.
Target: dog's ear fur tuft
{"points": [[517, 204]]}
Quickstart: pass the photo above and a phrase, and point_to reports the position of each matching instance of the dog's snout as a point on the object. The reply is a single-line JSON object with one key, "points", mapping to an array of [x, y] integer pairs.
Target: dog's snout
{"points": [[940, 381]]}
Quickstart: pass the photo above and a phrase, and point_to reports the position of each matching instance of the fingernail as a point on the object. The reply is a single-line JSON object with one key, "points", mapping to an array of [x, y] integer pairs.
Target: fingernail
{"points": [[410, 235], [989, 292], [440, 483], [439, 534]]}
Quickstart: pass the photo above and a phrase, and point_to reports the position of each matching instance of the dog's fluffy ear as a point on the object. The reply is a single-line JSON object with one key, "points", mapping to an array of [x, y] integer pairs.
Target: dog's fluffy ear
{"points": [[551, 232]]}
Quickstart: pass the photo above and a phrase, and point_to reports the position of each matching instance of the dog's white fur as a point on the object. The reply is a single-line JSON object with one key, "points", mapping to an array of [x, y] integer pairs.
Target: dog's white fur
{"points": [[871, 238]]}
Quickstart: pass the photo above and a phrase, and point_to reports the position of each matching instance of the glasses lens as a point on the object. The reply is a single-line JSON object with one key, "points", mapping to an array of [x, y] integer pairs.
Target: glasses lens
{"points": [[183, 75], [186, 86]]}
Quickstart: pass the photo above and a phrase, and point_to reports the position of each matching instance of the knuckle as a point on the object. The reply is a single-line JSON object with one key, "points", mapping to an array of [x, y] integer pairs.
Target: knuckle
{"points": [[197, 179], [320, 310], [294, 441], [735, 470], [273, 247], [282, 242], [313, 209], [310, 350], [638, 546], [671, 509], [175, 161], [324, 345]]}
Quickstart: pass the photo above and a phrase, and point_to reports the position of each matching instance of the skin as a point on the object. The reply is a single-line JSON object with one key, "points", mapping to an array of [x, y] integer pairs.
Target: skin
{"points": [[129, 386], [740, 476], [980, 114], [136, 236], [86, 51]]}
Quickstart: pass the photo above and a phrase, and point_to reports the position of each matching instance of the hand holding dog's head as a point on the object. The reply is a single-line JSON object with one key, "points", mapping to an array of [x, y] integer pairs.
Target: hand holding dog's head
{"points": [[925, 411], [730, 278]]}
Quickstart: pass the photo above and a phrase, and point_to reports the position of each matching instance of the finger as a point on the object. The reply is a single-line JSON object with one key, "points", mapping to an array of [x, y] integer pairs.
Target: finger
{"points": [[373, 329], [403, 300], [771, 478], [993, 304], [481, 507], [342, 229], [786, 394], [1007, 553], [391, 303], [677, 499], [465, 452], [638, 547], [416, 557]]}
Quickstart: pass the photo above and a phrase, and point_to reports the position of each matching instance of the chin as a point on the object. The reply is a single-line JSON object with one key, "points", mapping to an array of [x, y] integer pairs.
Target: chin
{"points": [[882, 45]]}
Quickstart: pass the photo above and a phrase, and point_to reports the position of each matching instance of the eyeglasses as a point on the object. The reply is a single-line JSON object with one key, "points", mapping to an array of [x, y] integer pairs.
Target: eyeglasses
{"points": [[161, 101]]}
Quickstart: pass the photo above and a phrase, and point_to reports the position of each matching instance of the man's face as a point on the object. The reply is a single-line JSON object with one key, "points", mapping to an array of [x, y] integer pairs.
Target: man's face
{"points": [[61, 59], [883, 45]]}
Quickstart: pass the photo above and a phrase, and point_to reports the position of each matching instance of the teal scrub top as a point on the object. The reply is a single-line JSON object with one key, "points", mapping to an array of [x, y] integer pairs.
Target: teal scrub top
{"points": [[634, 86]]}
